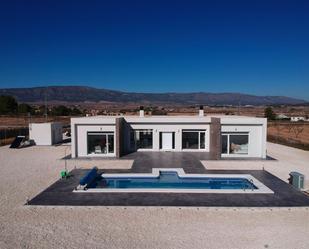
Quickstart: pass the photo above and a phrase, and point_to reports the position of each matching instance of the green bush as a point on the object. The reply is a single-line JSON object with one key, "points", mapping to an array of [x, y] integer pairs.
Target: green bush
{"points": [[8, 104], [269, 113]]}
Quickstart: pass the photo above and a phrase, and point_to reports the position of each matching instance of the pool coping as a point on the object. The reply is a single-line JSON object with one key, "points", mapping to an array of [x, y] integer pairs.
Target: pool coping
{"points": [[261, 188], [60, 193]]}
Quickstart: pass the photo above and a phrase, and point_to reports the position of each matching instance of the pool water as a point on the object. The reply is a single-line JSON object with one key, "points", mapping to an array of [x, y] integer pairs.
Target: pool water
{"points": [[167, 180]]}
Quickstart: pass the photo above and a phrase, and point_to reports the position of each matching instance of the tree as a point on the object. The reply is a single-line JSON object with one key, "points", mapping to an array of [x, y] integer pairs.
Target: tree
{"points": [[289, 127], [8, 104], [75, 112], [42, 110], [298, 129], [61, 110], [269, 113], [25, 108], [279, 128]]}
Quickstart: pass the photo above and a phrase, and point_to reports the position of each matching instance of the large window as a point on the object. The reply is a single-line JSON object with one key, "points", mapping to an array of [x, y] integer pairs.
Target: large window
{"points": [[193, 139], [235, 143], [100, 142], [141, 139]]}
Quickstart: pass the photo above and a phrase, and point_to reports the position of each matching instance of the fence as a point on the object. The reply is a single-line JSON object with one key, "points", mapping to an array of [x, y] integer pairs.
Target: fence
{"points": [[8, 134]]}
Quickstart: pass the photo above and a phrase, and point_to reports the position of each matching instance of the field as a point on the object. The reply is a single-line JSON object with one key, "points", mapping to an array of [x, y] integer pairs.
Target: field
{"points": [[23, 121], [289, 133]]}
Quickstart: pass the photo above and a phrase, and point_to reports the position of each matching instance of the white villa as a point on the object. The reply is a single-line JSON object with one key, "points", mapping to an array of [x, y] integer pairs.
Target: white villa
{"points": [[220, 136]]}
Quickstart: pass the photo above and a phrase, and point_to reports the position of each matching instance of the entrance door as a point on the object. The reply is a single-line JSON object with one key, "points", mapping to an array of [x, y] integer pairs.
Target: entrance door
{"points": [[167, 140]]}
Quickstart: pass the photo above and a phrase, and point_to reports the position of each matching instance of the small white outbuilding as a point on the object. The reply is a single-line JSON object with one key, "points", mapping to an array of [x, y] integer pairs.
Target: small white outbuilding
{"points": [[45, 133]]}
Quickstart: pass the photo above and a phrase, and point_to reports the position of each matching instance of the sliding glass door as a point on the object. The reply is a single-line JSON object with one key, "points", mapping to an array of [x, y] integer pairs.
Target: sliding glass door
{"points": [[100, 143], [141, 139], [193, 139], [234, 143]]}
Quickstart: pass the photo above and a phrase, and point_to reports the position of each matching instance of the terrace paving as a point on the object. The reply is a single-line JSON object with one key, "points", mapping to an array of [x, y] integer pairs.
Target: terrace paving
{"points": [[60, 193]]}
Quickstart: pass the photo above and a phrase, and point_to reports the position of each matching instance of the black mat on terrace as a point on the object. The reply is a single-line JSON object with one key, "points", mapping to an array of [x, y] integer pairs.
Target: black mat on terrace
{"points": [[60, 193]]}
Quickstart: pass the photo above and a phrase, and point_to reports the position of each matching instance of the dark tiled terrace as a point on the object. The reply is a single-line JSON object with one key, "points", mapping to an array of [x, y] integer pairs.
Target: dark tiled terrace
{"points": [[60, 193]]}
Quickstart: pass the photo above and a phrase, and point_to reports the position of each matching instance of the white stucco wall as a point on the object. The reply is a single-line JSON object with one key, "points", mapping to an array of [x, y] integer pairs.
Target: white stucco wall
{"points": [[82, 137], [177, 128], [45, 133], [256, 127], [257, 130], [255, 139]]}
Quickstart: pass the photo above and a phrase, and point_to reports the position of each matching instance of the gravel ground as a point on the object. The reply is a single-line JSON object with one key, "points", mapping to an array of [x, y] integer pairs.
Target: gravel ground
{"points": [[26, 172]]}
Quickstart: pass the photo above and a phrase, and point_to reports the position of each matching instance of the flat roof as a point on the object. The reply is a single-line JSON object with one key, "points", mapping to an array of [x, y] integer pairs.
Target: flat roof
{"points": [[46, 123], [169, 119]]}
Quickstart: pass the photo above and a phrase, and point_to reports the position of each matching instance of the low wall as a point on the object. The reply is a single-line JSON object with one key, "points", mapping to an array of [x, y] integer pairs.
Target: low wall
{"points": [[7, 135]]}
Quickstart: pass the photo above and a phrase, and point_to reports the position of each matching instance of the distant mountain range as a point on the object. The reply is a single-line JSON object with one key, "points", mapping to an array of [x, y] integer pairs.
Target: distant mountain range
{"points": [[90, 94]]}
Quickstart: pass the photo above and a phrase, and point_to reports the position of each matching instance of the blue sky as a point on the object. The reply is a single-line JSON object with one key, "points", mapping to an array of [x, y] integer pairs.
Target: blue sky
{"points": [[257, 47]]}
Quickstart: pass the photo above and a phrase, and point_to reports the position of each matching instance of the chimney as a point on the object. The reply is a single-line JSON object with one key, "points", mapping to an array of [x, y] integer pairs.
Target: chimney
{"points": [[201, 111], [141, 111]]}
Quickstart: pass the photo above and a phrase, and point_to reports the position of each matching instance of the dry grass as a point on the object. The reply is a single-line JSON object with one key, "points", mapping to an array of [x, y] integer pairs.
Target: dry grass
{"points": [[23, 121], [290, 131]]}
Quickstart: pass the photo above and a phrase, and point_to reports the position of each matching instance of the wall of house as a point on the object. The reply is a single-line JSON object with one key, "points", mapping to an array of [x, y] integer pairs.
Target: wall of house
{"points": [[40, 133], [45, 133], [80, 138], [257, 139], [215, 139], [177, 128], [122, 145], [56, 133], [256, 127]]}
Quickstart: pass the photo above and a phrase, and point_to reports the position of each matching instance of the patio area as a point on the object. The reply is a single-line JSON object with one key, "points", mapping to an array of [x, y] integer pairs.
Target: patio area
{"points": [[60, 193]]}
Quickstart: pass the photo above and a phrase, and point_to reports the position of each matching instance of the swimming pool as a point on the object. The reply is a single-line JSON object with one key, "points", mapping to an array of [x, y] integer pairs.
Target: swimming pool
{"points": [[176, 180], [170, 179]]}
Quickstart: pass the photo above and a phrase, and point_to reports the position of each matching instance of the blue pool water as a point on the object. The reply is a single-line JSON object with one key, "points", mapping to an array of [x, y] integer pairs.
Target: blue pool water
{"points": [[172, 180]]}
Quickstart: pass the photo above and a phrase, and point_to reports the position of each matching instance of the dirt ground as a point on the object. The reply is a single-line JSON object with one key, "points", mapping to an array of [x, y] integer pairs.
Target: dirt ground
{"points": [[23, 121], [289, 130]]}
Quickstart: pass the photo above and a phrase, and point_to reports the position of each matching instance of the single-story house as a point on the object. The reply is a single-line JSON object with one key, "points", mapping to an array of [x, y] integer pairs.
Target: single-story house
{"points": [[220, 136]]}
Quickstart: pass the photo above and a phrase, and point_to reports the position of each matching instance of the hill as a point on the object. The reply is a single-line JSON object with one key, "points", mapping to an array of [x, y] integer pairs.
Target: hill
{"points": [[84, 93]]}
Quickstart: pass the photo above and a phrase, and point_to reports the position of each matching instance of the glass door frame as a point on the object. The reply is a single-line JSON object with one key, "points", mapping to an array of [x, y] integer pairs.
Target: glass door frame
{"points": [[228, 134], [199, 139], [107, 134]]}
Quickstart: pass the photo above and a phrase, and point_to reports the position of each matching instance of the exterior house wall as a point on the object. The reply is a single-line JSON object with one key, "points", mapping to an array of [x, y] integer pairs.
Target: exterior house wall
{"points": [[81, 150], [257, 131], [81, 136], [45, 133], [56, 132], [121, 126], [122, 137], [255, 139], [177, 128], [215, 139]]}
